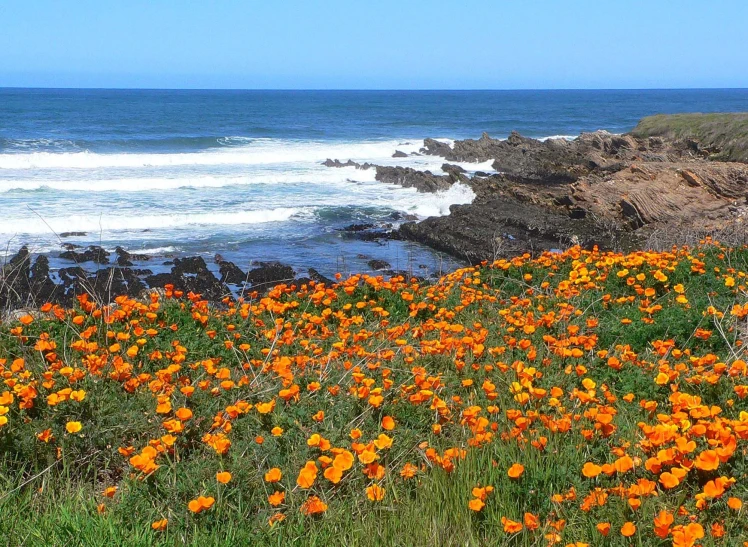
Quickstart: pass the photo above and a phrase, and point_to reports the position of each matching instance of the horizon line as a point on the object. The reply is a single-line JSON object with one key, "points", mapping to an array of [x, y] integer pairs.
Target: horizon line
{"points": [[72, 88]]}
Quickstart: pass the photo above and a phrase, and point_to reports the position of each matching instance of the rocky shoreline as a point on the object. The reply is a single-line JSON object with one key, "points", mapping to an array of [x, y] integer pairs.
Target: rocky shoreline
{"points": [[612, 191]]}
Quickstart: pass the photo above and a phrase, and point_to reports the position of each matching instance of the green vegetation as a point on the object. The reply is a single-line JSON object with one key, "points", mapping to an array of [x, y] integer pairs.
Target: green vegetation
{"points": [[581, 398], [725, 133]]}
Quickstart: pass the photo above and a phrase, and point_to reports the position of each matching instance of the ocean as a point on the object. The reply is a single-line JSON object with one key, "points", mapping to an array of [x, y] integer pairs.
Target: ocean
{"points": [[174, 173]]}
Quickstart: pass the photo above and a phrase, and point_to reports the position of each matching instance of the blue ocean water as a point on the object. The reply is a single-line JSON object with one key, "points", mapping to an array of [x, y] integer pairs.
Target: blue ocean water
{"points": [[238, 172]]}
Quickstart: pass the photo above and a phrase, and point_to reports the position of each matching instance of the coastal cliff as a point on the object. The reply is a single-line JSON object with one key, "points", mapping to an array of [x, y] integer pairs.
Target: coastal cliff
{"points": [[681, 176]]}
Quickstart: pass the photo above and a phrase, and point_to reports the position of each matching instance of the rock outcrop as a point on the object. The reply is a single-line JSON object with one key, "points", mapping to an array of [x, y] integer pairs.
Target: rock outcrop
{"points": [[407, 177], [599, 189]]}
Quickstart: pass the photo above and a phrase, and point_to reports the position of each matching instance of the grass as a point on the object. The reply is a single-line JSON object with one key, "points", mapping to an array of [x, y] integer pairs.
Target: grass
{"points": [[724, 133], [115, 419]]}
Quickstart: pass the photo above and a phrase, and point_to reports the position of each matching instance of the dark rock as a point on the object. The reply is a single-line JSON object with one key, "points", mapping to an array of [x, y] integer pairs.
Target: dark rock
{"points": [[379, 264], [231, 273], [357, 227], [455, 173], [337, 163], [14, 280], [399, 154], [432, 147], [107, 284], [481, 174], [70, 246], [93, 254], [319, 278], [423, 181], [191, 274], [123, 257], [500, 225], [268, 274], [73, 234]]}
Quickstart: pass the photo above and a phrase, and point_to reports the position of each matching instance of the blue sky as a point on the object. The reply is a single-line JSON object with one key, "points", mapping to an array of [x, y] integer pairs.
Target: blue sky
{"points": [[374, 44]]}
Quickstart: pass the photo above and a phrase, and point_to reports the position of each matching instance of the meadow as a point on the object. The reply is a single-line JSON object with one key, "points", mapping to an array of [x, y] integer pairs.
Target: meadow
{"points": [[575, 398]]}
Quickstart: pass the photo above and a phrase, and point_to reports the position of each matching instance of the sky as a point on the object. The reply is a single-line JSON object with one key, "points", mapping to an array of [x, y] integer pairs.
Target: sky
{"points": [[373, 44]]}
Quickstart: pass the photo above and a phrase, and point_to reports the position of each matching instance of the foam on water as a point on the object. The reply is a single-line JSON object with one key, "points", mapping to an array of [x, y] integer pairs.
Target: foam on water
{"points": [[254, 152], [119, 223]]}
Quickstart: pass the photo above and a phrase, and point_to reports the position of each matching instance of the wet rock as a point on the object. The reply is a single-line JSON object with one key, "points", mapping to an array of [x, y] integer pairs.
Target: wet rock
{"points": [[500, 225], [41, 287], [269, 274], [357, 227], [231, 273], [105, 285], [407, 177], [379, 264], [93, 253], [337, 163], [399, 154], [433, 147], [191, 274], [14, 280], [455, 173], [125, 258], [73, 234], [319, 278]]}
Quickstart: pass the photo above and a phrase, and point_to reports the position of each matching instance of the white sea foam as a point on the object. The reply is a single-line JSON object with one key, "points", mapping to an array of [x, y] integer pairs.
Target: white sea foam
{"points": [[564, 137], [437, 204], [256, 152], [119, 223]]}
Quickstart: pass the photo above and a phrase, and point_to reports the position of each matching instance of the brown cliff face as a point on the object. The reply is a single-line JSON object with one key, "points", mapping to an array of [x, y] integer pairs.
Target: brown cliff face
{"points": [[599, 189]]}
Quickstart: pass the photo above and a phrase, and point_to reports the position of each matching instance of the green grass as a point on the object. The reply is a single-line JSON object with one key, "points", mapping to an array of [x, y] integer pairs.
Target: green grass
{"points": [[725, 133], [50, 493]]}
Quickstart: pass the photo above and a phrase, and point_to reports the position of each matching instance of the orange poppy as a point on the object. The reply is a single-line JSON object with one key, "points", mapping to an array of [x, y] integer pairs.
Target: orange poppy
{"points": [[516, 470]]}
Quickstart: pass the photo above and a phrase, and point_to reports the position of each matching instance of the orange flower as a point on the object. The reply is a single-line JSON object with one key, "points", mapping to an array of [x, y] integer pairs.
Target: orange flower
{"points": [[628, 529], [668, 480], [590, 470], [516, 470], [662, 524], [375, 492], [367, 456], [276, 498], [343, 461], [273, 475], [276, 518], [686, 536], [223, 477], [388, 423], [510, 526], [73, 427], [200, 504], [159, 524], [408, 471], [333, 474], [307, 475], [734, 504], [476, 504], [603, 528], [183, 414], [313, 506], [707, 461], [383, 442], [482, 493], [531, 521]]}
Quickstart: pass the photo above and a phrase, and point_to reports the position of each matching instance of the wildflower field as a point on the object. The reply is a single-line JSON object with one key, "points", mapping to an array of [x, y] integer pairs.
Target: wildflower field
{"points": [[582, 398]]}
